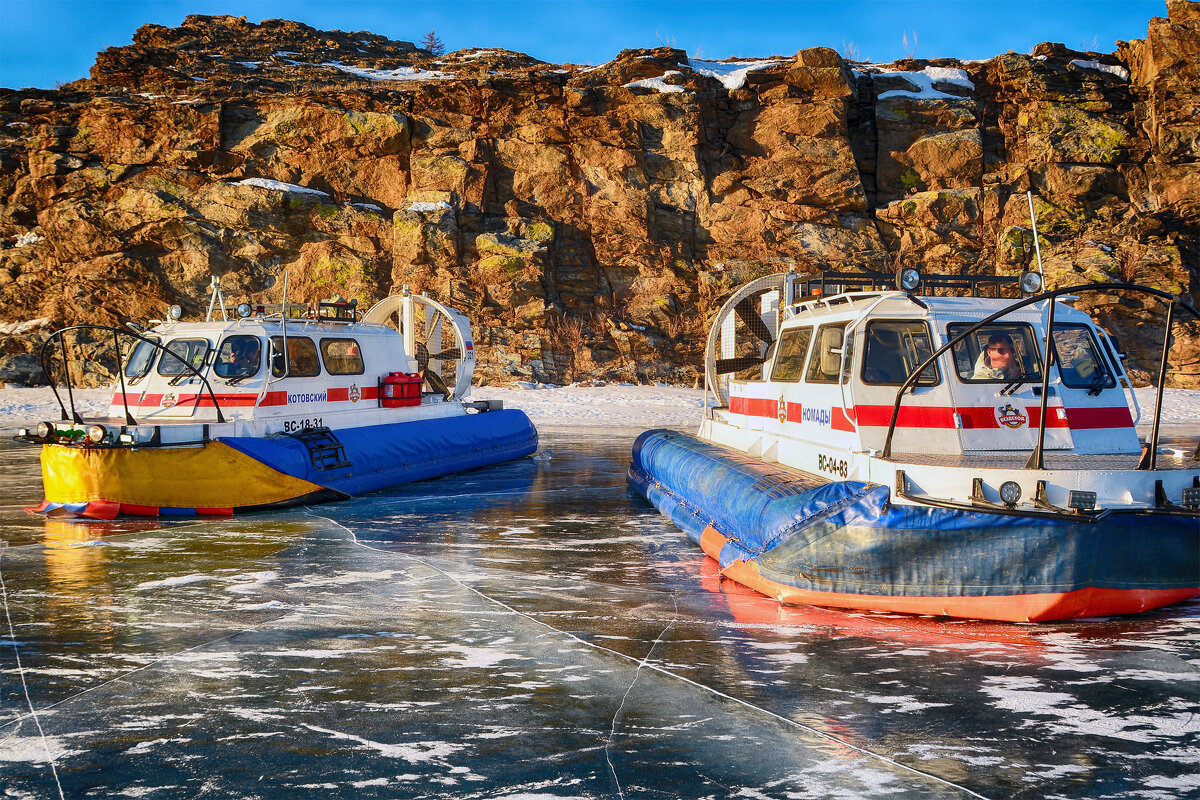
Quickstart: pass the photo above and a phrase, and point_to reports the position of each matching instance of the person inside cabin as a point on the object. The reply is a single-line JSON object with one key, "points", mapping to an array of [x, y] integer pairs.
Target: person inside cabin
{"points": [[238, 358], [998, 361], [245, 359]]}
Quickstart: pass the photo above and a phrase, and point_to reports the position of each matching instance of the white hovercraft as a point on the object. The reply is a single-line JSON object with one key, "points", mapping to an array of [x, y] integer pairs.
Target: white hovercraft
{"points": [[876, 448], [274, 407]]}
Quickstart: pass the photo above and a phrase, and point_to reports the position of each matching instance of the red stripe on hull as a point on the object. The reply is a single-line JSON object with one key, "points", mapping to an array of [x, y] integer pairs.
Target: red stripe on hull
{"points": [[1093, 418], [910, 416], [754, 407], [1034, 607], [973, 417]]}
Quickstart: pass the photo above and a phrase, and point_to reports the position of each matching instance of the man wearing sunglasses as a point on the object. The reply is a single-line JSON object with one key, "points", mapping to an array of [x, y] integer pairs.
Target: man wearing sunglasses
{"points": [[998, 361]]}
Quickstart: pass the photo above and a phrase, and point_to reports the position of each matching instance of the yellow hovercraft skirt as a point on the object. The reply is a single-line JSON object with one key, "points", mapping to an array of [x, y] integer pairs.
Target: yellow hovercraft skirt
{"points": [[213, 478]]}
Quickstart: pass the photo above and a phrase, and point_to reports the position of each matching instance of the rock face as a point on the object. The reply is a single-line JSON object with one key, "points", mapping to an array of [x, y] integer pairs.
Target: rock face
{"points": [[589, 219]]}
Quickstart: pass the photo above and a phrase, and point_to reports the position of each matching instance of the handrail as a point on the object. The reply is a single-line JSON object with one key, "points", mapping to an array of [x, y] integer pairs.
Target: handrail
{"points": [[129, 420], [1087, 287], [1152, 453], [120, 367], [1036, 458]]}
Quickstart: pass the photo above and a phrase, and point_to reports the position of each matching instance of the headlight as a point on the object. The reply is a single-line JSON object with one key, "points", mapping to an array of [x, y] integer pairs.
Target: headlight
{"points": [[174, 313], [243, 310], [1086, 501], [1010, 493], [96, 433], [1030, 282], [907, 279], [45, 430], [125, 438]]}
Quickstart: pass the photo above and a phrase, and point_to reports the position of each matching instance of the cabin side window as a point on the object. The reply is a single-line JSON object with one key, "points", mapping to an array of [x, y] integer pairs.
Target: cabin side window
{"points": [[238, 357], [180, 354], [893, 349], [825, 366], [1078, 358], [790, 354], [140, 360], [342, 357], [301, 357], [1001, 352]]}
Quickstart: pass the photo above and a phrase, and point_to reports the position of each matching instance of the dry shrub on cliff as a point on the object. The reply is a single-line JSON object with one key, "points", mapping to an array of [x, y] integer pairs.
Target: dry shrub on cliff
{"points": [[570, 333], [570, 344]]}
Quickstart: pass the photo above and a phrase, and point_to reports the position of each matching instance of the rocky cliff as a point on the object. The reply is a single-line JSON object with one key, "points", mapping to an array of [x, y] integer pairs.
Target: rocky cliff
{"points": [[589, 218]]}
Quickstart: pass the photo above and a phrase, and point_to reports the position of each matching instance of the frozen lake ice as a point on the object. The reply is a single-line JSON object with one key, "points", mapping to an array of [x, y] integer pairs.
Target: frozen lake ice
{"points": [[536, 630]]}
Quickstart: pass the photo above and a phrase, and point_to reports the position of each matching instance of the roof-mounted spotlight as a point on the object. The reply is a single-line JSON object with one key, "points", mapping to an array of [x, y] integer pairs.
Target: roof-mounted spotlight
{"points": [[174, 313], [908, 279], [1030, 282], [244, 310]]}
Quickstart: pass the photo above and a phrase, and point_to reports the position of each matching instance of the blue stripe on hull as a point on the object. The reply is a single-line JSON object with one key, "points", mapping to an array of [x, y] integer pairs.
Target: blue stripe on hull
{"points": [[846, 536], [389, 455]]}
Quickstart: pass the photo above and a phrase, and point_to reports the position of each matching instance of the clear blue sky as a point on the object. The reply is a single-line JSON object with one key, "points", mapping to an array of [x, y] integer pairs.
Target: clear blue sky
{"points": [[47, 42]]}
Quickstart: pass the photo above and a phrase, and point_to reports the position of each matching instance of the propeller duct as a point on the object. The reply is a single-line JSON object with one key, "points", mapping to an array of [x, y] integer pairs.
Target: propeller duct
{"points": [[753, 340]]}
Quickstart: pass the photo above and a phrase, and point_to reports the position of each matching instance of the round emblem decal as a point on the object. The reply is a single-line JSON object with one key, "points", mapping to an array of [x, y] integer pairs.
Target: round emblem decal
{"points": [[168, 400], [355, 394], [1010, 416], [782, 410]]}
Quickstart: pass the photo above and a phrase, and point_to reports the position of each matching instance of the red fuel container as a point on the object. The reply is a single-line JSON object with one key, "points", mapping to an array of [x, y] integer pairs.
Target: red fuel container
{"points": [[401, 389]]}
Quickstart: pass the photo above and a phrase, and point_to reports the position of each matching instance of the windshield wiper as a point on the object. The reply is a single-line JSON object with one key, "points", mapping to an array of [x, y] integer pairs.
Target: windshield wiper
{"points": [[1015, 384]]}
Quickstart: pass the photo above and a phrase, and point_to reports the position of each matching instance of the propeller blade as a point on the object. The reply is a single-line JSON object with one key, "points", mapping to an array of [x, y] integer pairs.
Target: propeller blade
{"points": [[727, 365], [435, 382], [453, 352], [749, 315]]}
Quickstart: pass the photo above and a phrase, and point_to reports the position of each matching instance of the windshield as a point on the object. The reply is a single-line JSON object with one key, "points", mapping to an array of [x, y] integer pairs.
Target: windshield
{"points": [[239, 357], [893, 350], [1001, 352], [1079, 361], [140, 360], [181, 353]]}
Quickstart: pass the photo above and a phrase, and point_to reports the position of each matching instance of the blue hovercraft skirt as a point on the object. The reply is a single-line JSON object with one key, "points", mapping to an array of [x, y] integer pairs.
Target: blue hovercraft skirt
{"points": [[803, 539]]}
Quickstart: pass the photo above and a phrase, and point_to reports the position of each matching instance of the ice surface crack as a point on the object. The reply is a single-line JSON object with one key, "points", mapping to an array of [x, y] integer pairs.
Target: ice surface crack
{"points": [[612, 731]]}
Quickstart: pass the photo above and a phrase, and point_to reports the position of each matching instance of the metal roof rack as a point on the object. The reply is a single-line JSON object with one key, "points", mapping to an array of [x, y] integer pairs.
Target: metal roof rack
{"points": [[838, 282]]}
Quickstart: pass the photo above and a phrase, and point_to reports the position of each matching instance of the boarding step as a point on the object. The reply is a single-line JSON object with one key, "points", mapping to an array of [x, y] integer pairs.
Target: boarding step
{"points": [[324, 449]]}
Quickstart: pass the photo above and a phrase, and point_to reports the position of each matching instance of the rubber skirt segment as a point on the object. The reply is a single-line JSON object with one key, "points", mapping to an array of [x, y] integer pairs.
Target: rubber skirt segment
{"points": [[247, 473], [380, 456], [842, 543], [214, 476]]}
